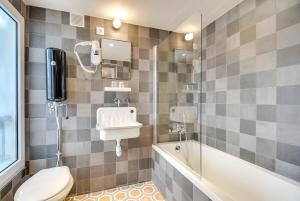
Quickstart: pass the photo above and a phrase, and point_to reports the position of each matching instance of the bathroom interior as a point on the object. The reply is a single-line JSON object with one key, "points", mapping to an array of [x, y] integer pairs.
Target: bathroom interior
{"points": [[173, 100]]}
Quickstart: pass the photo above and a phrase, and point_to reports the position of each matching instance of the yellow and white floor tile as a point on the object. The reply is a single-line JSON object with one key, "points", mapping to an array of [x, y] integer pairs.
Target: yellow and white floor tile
{"points": [[136, 192]]}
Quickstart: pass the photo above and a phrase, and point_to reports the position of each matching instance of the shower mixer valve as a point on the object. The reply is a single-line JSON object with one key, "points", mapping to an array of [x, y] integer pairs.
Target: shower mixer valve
{"points": [[54, 107]]}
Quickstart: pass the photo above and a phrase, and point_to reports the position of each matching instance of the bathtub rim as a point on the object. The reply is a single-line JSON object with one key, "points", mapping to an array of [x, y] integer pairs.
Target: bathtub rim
{"points": [[211, 191]]}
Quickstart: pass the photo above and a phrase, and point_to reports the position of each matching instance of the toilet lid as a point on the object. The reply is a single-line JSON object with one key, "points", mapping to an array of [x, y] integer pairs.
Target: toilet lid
{"points": [[44, 184]]}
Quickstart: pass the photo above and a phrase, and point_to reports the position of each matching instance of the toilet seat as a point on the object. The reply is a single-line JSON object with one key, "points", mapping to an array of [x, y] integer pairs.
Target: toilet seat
{"points": [[46, 185]]}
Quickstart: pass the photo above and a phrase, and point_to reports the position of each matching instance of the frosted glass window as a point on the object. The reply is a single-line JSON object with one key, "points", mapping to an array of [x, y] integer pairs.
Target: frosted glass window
{"points": [[8, 90]]}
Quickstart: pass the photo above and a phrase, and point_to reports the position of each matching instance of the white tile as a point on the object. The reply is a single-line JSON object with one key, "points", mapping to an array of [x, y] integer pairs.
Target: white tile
{"points": [[233, 41], [288, 133], [284, 4], [83, 110], [37, 96], [266, 61], [247, 51], [248, 111], [233, 124], [288, 37], [266, 130], [288, 75], [97, 97], [36, 55], [248, 142], [266, 27], [233, 97], [266, 96]]}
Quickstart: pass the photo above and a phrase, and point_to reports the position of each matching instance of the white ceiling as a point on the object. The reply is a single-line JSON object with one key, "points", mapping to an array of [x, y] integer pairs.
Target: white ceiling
{"points": [[173, 15]]}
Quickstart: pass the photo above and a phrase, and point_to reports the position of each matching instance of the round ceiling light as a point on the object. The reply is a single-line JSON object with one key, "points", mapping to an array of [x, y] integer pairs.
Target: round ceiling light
{"points": [[189, 36], [117, 23]]}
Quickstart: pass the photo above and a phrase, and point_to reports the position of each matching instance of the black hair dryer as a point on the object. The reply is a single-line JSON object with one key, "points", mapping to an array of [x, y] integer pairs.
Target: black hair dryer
{"points": [[56, 75]]}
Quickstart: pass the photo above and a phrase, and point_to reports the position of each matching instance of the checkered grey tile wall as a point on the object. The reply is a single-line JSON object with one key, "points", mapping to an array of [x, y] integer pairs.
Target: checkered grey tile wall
{"points": [[251, 85], [93, 162]]}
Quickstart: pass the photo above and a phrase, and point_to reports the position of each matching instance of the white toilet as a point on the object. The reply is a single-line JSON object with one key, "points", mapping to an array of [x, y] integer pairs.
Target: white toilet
{"points": [[53, 184]]}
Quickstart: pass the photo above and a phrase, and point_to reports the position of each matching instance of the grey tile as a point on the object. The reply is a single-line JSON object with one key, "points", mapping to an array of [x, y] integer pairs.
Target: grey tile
{"points": [[233, 82], [221, 134], [38, 152], [187, 187], [83, 173], [287, 169], [221, 109], [232, 138], [37, 13], [68, 44], [247, 127], [221, 97], [169, 183], [266, 112], [221, 60], [53, 29], [109, 157], [247, 155], [37, 40], [288, 134], [264, 10], [288, 37], [177, 176], [232, 28], [288, 56], [288, 95], [288, 114], [109, 169], [266, 44], [82, 33], [248, 96], [266, 79], [266, 27], [266, 147], [36, 26], [83, 135], [65, 18], [288, 17], [266, 95], [248, 111], [248, 35], [221, 72], [121, 179], [265, 162], [199, 195], [83, 161], [233, 69], [288, 153], [53, 16], [248, 81]]}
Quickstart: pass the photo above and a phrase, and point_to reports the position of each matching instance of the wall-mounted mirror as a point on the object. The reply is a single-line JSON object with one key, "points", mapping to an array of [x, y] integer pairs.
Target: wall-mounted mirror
{"points": [[116, 59]]}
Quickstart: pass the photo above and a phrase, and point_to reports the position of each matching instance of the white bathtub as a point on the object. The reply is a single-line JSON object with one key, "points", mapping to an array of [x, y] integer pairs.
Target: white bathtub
{"points": [[225, 177]]}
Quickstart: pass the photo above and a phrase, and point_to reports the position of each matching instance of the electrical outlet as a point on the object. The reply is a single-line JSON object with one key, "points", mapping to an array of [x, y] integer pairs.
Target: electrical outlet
{"points": [[100, 31]]}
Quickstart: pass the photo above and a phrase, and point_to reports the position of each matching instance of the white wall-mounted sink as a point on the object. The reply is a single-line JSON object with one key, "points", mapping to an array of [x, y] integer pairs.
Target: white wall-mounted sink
{"points": [[116, 123]]}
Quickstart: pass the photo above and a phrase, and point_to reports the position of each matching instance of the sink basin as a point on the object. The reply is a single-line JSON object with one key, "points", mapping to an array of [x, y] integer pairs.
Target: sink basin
{"points": [[116, 123]]}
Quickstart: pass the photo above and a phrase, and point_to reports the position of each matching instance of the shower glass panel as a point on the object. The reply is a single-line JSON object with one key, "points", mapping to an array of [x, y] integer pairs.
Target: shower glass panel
{"points": [[177, 79]]}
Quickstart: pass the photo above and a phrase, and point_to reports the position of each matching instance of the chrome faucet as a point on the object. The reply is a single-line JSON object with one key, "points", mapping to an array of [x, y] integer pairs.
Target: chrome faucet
{"points": [[127, 100], [117, 101], [180, 130]]}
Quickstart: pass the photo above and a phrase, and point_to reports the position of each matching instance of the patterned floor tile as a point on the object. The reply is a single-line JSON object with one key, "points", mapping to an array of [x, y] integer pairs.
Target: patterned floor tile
{"points": [[136, 192]]}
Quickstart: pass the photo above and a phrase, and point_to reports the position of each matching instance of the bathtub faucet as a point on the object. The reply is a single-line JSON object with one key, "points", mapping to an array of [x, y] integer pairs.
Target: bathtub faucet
{"points": [[180, 128]]}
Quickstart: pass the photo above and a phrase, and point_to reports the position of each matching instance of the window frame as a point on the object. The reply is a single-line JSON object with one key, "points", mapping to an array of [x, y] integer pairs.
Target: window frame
{"points": [[11, 171]]}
